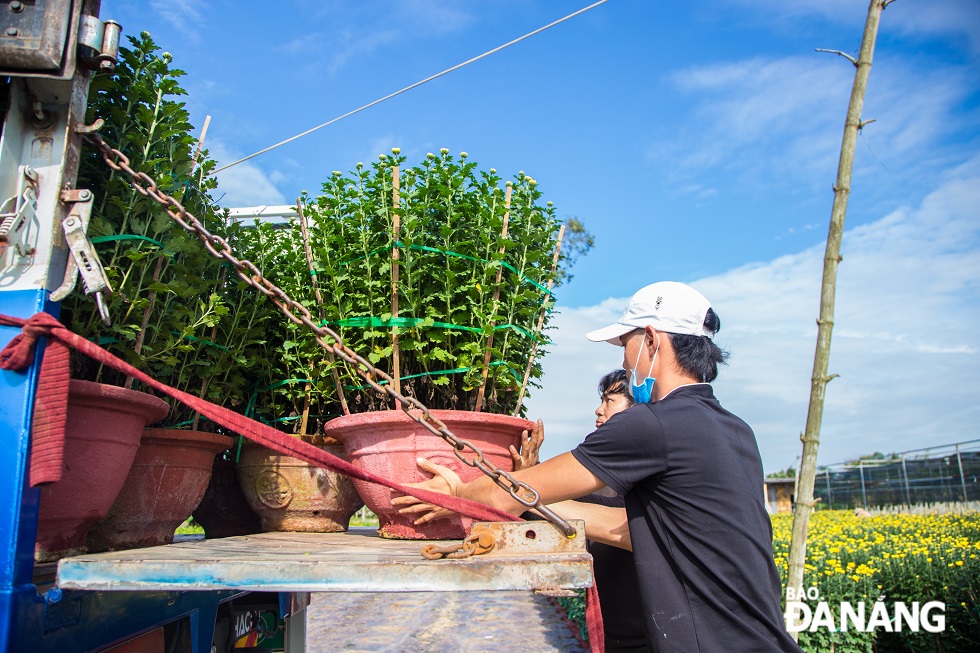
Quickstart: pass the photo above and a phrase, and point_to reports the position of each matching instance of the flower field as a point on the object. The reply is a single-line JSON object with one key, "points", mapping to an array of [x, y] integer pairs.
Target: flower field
{"points": [[891, 558], [888, 559]]}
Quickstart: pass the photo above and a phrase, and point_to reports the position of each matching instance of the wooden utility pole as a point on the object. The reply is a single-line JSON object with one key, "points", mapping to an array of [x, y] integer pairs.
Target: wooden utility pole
{"points": [[825, 324]]}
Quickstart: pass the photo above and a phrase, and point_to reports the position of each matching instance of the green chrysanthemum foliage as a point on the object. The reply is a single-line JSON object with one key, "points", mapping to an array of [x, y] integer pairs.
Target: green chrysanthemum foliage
{"points": [[451, 309], [176, 312]]}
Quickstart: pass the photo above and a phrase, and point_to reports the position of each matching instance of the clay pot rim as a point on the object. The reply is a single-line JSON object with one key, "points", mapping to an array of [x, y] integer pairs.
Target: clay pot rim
{"points": [[186, 437], [336, 427], [123, 400]]}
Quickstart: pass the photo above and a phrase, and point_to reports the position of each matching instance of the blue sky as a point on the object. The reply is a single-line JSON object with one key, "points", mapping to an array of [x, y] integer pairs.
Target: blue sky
{"points": [[698, 141]]}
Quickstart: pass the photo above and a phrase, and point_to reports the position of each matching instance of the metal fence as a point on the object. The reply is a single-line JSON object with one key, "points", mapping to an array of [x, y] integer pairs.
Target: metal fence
{"points": [[946, 473]]}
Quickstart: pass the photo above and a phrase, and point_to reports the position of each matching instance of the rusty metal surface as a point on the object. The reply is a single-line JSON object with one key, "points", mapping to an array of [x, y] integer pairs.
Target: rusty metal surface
{"points": [[356, 561], [533, 537], [478, 542], [34, 35]]}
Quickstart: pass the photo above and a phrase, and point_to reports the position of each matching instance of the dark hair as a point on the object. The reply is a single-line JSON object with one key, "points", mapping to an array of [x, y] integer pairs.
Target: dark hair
{"points": [[615, 383], [699, 356]]}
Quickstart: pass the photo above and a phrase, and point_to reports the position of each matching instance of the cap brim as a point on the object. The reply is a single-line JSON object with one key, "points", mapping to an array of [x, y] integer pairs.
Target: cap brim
{"points": [[611, 334]]}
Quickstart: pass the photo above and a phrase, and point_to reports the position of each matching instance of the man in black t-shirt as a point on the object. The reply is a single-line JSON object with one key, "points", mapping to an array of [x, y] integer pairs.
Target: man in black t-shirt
{"points": [[691, 474]]}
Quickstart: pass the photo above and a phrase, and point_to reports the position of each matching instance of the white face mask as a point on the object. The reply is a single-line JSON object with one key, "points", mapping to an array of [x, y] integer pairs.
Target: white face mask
{"points": [[643, 392]]}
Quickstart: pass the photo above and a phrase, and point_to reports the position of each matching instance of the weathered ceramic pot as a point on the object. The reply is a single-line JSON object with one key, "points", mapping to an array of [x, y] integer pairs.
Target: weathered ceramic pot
{"points": [[102, 435], [387, 443], [291, 495], [224, 512], [165, 484]]}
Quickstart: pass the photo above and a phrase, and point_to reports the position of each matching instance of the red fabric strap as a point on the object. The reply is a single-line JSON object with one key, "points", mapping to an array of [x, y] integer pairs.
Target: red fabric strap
{"points": [[51, 410], [18, 354], [50, 399], [593, 620]]}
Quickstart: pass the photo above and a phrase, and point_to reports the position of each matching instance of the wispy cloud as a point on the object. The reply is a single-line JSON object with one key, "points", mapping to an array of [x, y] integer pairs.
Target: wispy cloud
{"points": [[943, 18], [245, 184], [743, 112], [183, 15], [904, 340], [352, 31], [778, 123]]}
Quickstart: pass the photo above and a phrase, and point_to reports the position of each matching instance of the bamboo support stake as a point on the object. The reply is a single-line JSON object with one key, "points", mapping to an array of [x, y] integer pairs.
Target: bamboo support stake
{"points": [[395, 256], [319, 302], [540, 326], [496, 301], [200, 142], [825, 324]]}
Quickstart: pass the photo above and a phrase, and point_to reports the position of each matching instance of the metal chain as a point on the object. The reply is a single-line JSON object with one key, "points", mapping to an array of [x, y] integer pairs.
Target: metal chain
{"points": [[297, 313], [478, 542]]}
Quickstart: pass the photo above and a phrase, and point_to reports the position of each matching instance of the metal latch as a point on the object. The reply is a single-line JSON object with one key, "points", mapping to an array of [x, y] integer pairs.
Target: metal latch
{"points": [[16, 223], [84, 261], [512, 538]]}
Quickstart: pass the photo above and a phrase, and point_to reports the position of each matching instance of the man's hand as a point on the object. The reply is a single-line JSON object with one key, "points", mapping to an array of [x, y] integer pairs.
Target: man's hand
{"points": [[444, 481], [530, 446]]}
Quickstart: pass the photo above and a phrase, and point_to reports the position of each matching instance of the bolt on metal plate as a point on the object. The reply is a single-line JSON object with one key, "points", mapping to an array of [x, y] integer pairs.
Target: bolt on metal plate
{"points": [[516, 538]]}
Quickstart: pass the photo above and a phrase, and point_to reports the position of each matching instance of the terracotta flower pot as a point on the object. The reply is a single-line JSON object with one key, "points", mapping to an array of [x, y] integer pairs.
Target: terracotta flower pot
{"points": [[224, 512], [165, 484], [101, 438], [291, 495], [388, 442]]}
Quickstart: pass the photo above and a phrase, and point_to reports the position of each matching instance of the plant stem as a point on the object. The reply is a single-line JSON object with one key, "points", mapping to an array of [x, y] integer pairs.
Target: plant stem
{"points": [[319, 302], [138, 346], [496, 301], [540, 326], [395, 232]]}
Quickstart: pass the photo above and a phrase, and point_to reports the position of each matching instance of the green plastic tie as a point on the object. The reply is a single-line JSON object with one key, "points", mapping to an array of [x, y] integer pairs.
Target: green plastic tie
{"points": [[106, 239], [408, 322]]}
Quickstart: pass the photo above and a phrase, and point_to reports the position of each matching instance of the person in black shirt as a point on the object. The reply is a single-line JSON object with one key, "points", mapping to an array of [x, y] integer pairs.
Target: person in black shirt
{"points": [[690, 472], [615, 576]]}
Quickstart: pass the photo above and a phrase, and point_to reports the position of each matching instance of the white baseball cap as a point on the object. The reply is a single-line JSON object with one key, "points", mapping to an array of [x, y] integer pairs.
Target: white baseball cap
{"points": [[667, 306]]}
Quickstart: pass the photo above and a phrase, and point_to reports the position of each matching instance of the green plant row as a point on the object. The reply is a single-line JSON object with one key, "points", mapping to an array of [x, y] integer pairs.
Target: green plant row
{"points": [[176, 312], [457, 327], [473, 300]]}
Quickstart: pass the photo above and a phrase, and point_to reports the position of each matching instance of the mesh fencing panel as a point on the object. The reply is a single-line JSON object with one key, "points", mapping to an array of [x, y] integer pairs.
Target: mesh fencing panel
{"points": [[940, 474]]}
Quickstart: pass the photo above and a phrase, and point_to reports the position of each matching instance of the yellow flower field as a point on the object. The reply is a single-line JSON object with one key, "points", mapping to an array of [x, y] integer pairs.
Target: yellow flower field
{"points": [[886, 560], [889, 559]]}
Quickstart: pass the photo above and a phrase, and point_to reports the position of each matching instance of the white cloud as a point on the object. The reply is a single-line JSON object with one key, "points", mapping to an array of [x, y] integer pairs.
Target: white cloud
{"points": [[943, 18], [778, 122], [361, 31], [183, 15], [903, 345], [940, 18], [244, 184]]}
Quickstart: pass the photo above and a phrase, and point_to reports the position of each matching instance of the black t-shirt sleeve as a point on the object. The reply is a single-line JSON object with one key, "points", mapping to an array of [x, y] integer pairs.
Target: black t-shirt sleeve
{"points": [[601, 500], [626, 450]]}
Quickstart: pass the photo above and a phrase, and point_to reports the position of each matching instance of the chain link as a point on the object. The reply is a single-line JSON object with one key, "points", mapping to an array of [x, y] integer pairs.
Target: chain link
{"points": [[297, 313]]}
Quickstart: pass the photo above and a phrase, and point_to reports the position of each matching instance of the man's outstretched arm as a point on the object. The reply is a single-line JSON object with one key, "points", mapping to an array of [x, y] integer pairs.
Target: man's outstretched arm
{"points": [[555, 480]]}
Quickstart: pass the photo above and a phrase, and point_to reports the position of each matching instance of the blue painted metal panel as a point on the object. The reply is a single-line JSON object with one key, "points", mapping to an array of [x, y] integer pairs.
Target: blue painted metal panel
{"points": [[18, 502], [87, 621], [65, 621]]}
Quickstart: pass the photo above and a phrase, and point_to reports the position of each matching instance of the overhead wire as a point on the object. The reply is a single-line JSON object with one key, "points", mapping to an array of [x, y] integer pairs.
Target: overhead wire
{"points": [[415, 85]]}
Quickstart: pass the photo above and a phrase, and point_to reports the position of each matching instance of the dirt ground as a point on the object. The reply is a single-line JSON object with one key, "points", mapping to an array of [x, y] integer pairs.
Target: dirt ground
{"points": [[437, 622]]}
